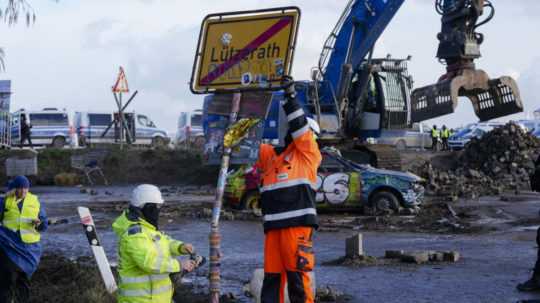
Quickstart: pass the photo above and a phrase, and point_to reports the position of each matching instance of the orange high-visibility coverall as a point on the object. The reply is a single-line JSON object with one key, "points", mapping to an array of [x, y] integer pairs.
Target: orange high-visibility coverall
{"points": [[288, 206]]}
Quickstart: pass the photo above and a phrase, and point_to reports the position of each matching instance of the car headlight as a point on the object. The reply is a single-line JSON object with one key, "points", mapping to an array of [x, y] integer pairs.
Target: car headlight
{"points": [[417, 187]]}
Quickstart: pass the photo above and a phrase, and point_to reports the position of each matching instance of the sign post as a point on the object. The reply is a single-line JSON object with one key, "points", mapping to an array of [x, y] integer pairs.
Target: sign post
{"points": [[250, 50], [238, 52], [121, 125]]}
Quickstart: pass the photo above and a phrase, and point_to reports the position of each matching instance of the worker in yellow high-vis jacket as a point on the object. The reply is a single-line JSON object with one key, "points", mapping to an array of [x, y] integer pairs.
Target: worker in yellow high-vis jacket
{"points": [[147, 255], [22, 220]]}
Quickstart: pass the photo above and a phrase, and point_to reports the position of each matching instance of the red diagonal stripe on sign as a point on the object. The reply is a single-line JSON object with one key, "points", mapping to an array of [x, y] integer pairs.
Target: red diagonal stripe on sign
{"points": [[252, 46]]}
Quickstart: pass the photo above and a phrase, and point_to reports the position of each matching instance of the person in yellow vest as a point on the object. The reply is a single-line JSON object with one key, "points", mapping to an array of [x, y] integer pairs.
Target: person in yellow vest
{"points": [[147, 255], [445, 134], [22, 218], [435, 135]]}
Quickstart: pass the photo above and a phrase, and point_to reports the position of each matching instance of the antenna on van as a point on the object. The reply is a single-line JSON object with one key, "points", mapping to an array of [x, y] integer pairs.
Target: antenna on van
{"points": [[124, 124]]}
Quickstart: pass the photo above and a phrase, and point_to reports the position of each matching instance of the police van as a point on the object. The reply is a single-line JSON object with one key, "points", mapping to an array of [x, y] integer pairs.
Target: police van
{"points": [[49, 127], [190, 128], [99, 127]]}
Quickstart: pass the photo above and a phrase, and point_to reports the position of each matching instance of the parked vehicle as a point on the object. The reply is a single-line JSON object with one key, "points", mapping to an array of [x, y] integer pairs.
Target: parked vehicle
{"points": [[530, 125], [190, 127], [476, 130], [49, 127], [341, 185], [416, 137], [537, 133], [90, 127]]}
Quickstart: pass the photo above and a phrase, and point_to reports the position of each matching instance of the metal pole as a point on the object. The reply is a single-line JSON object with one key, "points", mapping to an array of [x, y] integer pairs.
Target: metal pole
{"points": [[121, 117], [215, 236]]}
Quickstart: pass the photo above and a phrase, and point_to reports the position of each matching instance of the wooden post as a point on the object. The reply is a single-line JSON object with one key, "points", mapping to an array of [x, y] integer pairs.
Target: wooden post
{"points": [[215, 236]]}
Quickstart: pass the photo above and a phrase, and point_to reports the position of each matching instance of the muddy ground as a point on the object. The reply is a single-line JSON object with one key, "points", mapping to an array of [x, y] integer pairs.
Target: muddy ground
{"points": [[495, 237]]}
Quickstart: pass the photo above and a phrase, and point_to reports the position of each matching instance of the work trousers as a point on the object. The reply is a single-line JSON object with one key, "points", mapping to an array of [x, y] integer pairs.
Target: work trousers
{"points": [[445, 144], [288, 258], [14, 284], [26, 137], [536, 272], [434, 142]]}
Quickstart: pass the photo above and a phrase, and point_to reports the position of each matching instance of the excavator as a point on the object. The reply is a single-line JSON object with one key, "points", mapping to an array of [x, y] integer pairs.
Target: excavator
{"points": [[354, 96]]}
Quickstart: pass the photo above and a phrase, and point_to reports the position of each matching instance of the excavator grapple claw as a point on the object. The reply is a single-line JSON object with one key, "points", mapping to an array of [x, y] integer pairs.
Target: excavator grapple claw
{"points": [[491, 98]]}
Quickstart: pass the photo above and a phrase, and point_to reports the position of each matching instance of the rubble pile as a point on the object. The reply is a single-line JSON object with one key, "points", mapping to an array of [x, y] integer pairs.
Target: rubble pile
{"points": [[502, 160]]}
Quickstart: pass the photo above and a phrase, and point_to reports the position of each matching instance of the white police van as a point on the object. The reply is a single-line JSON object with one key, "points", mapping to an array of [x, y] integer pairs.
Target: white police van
{"points": [[49, 127], [91, 126], [190, 127]]}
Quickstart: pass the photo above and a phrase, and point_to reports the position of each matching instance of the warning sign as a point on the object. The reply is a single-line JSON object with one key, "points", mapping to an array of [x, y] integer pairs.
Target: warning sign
{"points": [[121, 85], [245, 50]]}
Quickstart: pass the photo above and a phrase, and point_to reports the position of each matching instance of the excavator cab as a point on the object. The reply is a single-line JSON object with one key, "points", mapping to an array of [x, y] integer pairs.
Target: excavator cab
{"points": [[379, 101], [459, 46]]}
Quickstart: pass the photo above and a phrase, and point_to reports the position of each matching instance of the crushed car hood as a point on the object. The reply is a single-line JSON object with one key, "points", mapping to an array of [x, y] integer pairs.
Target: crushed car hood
{"points": [[403, 175]]}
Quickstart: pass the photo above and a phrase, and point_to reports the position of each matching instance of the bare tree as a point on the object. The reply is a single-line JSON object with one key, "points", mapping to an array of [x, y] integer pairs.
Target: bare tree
{"points": [[11, 14]]}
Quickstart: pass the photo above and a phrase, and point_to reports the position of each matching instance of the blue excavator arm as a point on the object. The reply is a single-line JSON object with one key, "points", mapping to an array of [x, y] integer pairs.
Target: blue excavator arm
{"points": [[360, 26]]}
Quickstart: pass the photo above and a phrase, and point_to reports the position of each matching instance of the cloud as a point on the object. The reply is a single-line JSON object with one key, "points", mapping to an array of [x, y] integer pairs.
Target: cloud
{"points": [[70, 57]]}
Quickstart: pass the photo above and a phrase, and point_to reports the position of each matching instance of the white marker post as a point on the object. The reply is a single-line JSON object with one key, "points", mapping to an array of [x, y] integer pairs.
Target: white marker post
{"points": [[97, 249]]}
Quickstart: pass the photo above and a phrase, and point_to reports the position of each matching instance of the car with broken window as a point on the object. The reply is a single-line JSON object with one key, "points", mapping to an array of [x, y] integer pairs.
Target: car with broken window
{"points": [[341, 185]]}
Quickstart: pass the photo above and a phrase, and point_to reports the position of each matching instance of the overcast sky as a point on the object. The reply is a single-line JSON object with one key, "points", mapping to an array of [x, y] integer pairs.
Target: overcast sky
{"points": [[70, 57]]}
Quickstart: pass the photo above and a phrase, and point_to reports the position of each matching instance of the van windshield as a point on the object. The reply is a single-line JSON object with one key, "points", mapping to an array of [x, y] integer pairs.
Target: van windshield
{"points": [[196, 120], [99, 119], [59, 119]]}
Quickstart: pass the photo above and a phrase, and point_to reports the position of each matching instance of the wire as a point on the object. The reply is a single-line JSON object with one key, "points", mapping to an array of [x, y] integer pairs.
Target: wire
{"points": [[488, 18]]}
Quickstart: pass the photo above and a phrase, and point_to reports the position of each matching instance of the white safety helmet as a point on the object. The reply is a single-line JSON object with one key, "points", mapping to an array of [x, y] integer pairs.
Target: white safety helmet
{"points": [[145, 193], [314, 126]]}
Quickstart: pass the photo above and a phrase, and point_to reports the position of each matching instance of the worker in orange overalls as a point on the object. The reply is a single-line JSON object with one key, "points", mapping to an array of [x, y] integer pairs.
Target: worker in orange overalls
{"points": [[289, 176]]}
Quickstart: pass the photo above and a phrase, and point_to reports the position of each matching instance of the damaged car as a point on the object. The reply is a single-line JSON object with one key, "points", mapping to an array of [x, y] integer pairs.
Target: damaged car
{"points": [[341, 185]]}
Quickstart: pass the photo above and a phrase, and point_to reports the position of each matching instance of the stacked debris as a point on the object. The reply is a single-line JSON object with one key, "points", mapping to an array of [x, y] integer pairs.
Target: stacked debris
{"points": [[502, 160]]}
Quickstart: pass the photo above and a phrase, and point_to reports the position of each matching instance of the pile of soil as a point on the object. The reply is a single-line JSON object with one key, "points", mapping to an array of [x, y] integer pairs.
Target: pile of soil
{"points": [[502, 160], [59, 279]]}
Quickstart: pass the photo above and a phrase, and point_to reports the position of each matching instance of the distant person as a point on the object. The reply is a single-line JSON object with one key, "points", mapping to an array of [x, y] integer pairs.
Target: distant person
{"points": [[445, 134], [25, 131], [22, 218], [533, 284], [435, 135], [147, 255], [535, 177]]}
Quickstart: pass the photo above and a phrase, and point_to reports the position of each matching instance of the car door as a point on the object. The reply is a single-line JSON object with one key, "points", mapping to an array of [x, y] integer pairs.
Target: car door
{"points": [[16, 127], [142, 130], [338, 186]]}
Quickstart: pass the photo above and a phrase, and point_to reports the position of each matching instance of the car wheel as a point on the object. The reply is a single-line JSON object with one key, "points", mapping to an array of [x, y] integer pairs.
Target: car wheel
{"points": [[58, 142], [158, 142], [252, 201], [401, 145], [385, 201]]}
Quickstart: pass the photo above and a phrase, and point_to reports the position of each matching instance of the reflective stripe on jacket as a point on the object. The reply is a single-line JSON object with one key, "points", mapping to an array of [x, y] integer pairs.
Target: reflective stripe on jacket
{"points": [[146, 260], [289, 179], [22, 220]]}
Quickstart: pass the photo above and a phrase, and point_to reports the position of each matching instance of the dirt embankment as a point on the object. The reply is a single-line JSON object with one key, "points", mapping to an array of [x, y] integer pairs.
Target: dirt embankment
{"points": [[119, 166], [62, 280]]}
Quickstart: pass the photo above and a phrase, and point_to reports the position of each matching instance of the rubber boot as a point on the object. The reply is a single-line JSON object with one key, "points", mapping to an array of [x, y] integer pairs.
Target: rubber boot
{"points": [[533, 284]]}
